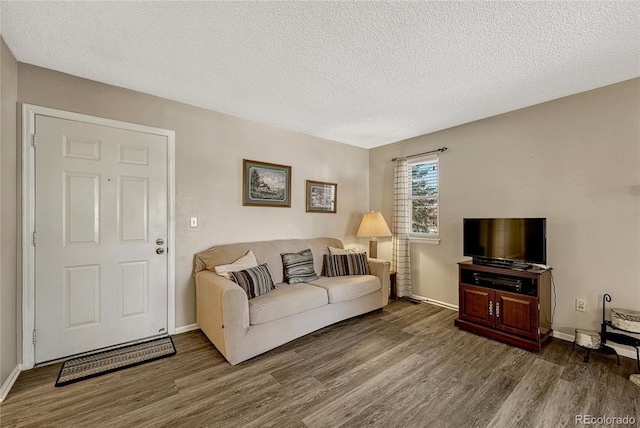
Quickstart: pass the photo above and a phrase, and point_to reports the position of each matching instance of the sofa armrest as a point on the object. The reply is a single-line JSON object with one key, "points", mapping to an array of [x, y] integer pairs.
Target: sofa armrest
{"points": [[222, 308], [381, 268]]}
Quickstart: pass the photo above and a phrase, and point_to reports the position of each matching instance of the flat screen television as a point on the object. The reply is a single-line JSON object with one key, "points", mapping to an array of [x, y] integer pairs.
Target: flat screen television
{"points": [[505, 241]]}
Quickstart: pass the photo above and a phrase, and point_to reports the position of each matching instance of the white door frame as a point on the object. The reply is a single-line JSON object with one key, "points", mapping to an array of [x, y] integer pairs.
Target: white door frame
{"points": [[29, 113]]}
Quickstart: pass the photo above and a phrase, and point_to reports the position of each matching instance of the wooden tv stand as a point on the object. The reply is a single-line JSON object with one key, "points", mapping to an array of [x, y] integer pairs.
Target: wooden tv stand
{"points": [[505, 304]]}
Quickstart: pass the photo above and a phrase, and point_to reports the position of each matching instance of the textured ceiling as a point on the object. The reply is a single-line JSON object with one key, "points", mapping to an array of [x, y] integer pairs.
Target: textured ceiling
{"points": [[362, 73]]}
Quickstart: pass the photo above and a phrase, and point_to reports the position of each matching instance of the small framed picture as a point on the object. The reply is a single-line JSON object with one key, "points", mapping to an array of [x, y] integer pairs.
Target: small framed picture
{"points": [[322, 197], [266, 184]]}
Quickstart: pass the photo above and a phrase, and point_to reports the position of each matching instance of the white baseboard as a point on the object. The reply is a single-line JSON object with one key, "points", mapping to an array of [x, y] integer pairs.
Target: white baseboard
{"points": [[620, 349], [186, 328], [435, 302], [564, 336], [6, 386]]}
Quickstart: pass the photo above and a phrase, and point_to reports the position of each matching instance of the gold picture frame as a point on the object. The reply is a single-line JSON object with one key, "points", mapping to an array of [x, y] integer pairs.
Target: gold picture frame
{"points": [[322, 197], [266, 184]]}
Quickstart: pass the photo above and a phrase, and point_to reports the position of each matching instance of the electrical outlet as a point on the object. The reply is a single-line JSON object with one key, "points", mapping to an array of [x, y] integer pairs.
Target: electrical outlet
{"points": [[581, 305], [194, 221]]}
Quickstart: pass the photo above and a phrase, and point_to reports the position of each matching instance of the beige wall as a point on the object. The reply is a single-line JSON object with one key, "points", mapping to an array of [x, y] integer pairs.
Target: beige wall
{"points": [[8, 232], [575, 161], [210, 147]]}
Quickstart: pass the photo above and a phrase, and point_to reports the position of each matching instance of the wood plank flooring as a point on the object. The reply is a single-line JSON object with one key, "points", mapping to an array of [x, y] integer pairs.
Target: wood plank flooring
{"points": [[405, 366]]}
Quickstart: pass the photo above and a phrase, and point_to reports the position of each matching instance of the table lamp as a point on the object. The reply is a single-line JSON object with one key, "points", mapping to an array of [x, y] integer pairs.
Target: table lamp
{"points": [[373, 226]]}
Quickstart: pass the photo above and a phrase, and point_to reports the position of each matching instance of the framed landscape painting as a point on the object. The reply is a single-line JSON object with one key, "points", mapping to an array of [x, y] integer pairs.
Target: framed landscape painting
{"points": [[322, 197], [266, 184]]}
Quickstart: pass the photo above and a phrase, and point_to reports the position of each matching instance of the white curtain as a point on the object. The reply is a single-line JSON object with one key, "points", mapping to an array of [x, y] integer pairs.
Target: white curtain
{"points": [[401, 260]]}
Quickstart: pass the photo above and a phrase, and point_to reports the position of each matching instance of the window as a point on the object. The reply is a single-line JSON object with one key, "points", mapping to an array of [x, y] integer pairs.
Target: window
{"points": [[423, 197]]}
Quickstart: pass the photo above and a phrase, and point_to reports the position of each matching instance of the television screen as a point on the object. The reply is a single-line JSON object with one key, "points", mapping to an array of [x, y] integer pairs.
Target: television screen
{"points": [[517, 239]]}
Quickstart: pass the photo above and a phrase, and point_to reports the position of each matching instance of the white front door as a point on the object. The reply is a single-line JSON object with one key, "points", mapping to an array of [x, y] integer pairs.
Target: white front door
{"points": [[100, 236]]}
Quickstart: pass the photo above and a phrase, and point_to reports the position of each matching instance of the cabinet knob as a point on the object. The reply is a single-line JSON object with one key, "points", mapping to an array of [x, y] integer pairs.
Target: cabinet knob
{"points": [[498, 309], [490, 308]]}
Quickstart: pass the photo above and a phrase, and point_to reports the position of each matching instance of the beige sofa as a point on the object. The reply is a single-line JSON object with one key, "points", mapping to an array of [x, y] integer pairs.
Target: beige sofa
{"points": [[241, 328]]}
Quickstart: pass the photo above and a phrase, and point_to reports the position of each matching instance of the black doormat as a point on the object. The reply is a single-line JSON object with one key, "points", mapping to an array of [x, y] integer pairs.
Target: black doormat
{"points": [[99, 363]]}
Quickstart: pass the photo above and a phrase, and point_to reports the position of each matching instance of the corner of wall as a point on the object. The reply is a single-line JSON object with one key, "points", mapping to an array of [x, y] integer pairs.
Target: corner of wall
{"points": [[9, 366], [11, 379]]}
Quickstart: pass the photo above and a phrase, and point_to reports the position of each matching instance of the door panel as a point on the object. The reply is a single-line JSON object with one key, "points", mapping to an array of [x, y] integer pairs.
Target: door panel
{"points": [[81, 295], [517, 314], [75, 148], [101, 203], [81, 208], [133, 216], [134, 288], [475, 304]]}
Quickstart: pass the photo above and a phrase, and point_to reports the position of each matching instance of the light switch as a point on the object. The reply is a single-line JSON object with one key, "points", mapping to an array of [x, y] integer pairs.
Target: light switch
{"points": [[194, 221]]}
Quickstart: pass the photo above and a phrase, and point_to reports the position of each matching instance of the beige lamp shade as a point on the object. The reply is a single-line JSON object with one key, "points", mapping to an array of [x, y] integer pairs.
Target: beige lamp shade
{"points": [[373, 225]]}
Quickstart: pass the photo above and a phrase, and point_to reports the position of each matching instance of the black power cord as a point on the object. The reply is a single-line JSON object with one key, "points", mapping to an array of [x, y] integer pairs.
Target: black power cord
{"points": [[553, 286]]}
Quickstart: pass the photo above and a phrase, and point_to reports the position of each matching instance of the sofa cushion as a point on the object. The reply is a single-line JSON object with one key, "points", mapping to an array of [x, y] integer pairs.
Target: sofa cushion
{"points": [[245, 262], [254, 281], [265, 252], [339, 251], [298, 267], [284, 301], [346, 264], [345, 288]]}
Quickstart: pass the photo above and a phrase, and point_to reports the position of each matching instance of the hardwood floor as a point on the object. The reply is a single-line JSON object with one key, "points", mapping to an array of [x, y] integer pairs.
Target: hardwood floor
{"points": [[406, 366]]}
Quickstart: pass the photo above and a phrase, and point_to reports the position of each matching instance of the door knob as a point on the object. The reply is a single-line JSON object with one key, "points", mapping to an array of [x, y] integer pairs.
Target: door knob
{"points": [[160, 250]]}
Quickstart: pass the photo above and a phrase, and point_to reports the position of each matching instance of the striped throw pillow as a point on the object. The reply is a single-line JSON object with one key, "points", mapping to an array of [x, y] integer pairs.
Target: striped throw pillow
{"points": [[254, 281], [298, 267], [346, 264]]}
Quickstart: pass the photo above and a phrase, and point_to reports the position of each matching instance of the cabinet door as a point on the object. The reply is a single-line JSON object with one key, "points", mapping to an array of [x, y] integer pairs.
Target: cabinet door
{"points": [[476, 304], [517, 314]]}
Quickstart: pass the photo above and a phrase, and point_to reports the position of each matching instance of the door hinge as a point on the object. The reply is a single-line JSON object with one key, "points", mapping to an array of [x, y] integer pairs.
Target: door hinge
{"points": [[34, 336], [33, 140], [34, 239]]}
